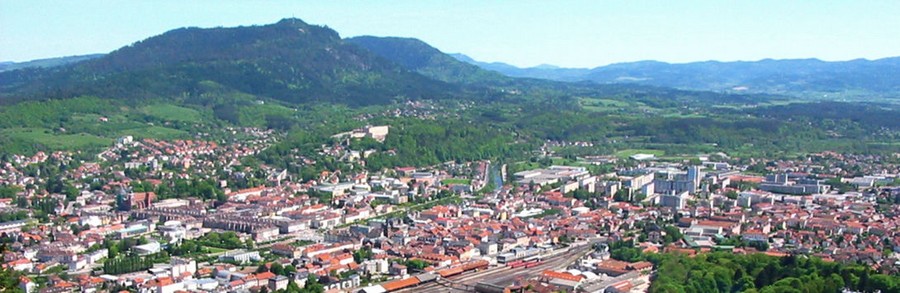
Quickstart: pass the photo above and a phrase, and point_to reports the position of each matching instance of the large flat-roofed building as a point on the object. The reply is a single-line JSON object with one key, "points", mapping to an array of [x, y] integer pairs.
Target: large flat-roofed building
{"points": [[668, 181], [551, 175], [675, 200], [240, 256], [781, 183], [637, 181]]}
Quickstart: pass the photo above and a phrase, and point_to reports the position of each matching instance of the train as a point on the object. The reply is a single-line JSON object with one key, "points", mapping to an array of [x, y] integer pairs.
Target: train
{"points": [[524, 264], [520, 254], [420, 279]]}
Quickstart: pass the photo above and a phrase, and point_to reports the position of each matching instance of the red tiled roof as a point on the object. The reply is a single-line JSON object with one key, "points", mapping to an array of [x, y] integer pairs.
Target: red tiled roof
{"points": [[400, 284], [564, 276], [265, 275]]}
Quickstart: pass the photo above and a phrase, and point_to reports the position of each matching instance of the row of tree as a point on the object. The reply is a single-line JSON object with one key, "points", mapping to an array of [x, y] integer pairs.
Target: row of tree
{"points": [[133, 263], [728, 272]]}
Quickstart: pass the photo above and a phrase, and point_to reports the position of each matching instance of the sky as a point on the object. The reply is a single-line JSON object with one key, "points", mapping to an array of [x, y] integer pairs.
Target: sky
{"points": [[519, 32]]}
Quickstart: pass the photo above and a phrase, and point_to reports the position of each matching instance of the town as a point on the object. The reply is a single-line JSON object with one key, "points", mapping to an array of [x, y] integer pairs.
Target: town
{"points": [[149, 215]]}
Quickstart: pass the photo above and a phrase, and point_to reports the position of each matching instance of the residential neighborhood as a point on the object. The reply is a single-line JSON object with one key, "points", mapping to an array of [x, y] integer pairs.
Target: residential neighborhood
{"points": [[150, 216]]}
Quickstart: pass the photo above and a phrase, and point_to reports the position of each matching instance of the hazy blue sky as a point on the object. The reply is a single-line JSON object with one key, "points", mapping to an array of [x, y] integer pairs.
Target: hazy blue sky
{"points": [[524, 33]]}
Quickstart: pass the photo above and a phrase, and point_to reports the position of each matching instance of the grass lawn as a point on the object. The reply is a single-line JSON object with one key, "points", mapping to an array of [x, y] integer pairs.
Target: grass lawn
{"points": [[163, 132], [604, 105], [211, 249], [522, 166], [172, 113], [630, 152], [457, 181], [56, 141]]}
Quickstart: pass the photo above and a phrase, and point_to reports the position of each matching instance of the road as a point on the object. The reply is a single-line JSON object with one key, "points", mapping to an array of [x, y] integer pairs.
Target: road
{"points": [[503, 276]]}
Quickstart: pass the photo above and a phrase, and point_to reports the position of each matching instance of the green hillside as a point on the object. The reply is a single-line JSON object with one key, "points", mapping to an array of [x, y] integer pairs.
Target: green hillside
{"points": [[420, 57], [289, 61]]}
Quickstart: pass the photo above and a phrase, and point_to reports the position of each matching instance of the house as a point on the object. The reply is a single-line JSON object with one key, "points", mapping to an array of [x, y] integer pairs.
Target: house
{"points": [[181, 266], [564, 280], [754, 236], [262, 279], [22, 264], [287, 250], [278, 283], [398, 270], [163, 285], [612, 267], [27, 285], [376, 266]]}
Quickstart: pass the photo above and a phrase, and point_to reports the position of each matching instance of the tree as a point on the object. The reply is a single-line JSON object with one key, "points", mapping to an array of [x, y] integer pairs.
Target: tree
{"points": [[731, 194], [293, 287], [362, 254], [9, 281], [621, 195], [417, 264], [9, 191], [312, 285], [727, 272], [673, 234]]}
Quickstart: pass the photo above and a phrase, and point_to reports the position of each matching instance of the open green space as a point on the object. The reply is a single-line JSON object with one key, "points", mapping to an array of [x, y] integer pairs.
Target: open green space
{"points": [[210, 249], [457, 181], [56, 141], [169, 112], [158, 132]]}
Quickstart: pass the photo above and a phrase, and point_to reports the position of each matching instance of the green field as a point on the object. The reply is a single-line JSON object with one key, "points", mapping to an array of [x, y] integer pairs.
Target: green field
{"points": [[55, 141], [630, 152], [255, 114], [605, 105], [457, 181], [157, 132], [172, 113]]}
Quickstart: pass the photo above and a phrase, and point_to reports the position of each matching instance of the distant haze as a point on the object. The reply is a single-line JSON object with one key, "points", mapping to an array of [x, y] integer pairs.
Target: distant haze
{"points": [[580, 34]]}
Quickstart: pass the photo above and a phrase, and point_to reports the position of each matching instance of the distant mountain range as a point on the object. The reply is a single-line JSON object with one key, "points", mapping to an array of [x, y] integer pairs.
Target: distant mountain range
{"points": [[803, 77], [46, 63], [550, 72], [294, 62]]}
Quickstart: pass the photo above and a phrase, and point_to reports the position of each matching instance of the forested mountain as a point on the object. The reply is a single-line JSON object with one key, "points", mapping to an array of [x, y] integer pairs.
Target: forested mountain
{"points": [[49, 62], [291, 75], [418, 56], [807, 77], [295, 63], [289, 61]]}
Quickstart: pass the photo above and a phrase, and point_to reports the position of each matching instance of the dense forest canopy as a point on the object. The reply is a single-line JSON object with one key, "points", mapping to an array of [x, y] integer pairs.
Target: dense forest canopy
{"points": [[727, 272]]}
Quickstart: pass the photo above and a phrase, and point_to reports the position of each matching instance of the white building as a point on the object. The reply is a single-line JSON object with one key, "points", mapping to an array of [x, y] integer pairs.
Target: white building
{"points": [[240, 256]]}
